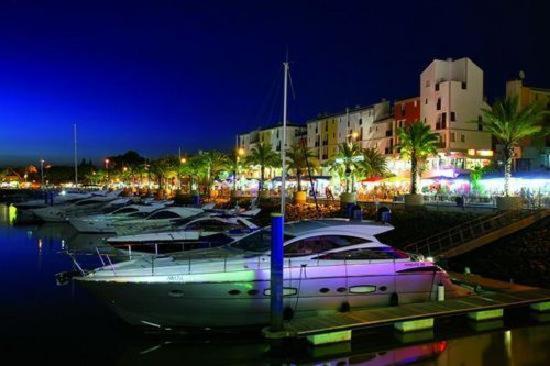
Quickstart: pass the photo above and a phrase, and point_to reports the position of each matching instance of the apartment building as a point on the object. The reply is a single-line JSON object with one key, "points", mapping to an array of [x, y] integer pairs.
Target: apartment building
{"points": [[451, 100], [367, 126], [272, 135], [534, 152], [406, 111]]}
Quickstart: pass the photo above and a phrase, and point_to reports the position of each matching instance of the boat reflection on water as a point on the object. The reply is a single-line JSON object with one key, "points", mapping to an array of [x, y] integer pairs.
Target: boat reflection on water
{"points": [[68, 237], [405, 355], [519, 346]]}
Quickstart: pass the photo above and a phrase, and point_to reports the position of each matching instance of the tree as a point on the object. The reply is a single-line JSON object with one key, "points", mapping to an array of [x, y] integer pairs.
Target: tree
{"points": [[264, 156], [373, 164], [299, 158], [416, 142], [128, 159], [509, 125], [164, 167], [214, 162], [346, 163], [194, 169], [476, 174], [235, 163]]}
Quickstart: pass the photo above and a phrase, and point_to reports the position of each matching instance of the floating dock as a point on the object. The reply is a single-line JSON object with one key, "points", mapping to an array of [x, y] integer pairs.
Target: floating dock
{"points": [[488, 304]]}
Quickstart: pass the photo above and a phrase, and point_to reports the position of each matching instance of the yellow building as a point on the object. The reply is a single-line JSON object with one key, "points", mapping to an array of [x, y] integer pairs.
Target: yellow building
{"points": [[534, 152]]}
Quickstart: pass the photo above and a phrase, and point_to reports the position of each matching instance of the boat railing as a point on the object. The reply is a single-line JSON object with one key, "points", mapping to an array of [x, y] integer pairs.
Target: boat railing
{"points": [[227, 263]]}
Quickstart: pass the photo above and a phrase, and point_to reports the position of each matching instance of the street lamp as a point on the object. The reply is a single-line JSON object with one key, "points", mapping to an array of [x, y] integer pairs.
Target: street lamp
{"points": [[240, 152], [42, 173], [107, 167]]}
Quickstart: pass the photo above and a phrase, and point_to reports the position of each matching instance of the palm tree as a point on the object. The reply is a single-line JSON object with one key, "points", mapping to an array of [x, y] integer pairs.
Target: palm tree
{"points": [[214, 162], [193, 168], [346, 163], [264, 156], [235, 166], [416, 142], [299, 158], [163, 168], [373, 163], [510, 125]]}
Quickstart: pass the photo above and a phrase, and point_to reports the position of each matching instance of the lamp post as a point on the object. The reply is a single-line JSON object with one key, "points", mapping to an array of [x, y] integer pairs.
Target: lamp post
{"points": [[42, 173], [183, 161], [107, 167], [240, 152]]}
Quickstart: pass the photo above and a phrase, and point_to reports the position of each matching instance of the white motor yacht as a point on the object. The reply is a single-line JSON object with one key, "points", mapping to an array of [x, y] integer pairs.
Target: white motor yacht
{"points": [[79, 208], [69, 197], [204, 232], [329, 266], [104, 223], [160, 220]]}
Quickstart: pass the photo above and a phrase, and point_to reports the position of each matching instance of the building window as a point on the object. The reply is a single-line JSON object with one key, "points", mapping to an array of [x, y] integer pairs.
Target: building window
{"points": [[360, 121], [444, 119], [436, 86], [426, 101], [452, 116], [452, 137], [427, 83], [438, 104], [463, 85], [462, 139], [479, 123]]}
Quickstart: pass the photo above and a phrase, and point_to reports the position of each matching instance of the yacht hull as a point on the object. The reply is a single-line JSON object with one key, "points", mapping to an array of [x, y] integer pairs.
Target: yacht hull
{"points": [[247, 303], [92, 226]]}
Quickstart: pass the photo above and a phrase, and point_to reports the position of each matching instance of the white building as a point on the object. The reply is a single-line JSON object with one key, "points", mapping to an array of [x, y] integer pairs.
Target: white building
{"points": [[272, 135], [451, 99], [367, 126]]}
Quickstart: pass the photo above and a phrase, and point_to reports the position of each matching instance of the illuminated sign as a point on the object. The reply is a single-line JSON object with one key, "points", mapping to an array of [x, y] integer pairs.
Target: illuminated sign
{"points": [[485, 152]]}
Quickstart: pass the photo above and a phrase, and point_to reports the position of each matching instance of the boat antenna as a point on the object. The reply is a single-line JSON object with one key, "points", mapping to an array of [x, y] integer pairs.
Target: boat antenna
{"points": [[75, 158]]}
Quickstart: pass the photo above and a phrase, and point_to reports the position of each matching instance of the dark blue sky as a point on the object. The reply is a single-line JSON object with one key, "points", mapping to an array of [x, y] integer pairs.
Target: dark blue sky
{"points": [[153, 75]]}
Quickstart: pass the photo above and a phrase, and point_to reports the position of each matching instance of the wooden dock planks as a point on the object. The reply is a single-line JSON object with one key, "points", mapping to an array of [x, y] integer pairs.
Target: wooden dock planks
{"points": [[382, 316]]}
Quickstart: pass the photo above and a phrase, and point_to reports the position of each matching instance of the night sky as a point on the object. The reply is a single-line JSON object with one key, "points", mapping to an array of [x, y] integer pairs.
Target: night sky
{"points": [[152, 76]]}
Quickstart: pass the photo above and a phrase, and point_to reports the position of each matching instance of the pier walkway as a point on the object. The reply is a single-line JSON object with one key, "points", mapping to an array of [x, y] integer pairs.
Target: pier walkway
{"points": [[476, 233], [484, 305]]}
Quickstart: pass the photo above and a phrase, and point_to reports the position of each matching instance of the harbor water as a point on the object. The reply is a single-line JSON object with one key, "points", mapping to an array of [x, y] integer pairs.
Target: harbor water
{"points": [[52, 324]]}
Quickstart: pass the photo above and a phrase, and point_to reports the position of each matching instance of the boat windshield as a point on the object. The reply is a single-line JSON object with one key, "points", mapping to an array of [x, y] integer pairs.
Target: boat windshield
{"points": [[258, 242]]}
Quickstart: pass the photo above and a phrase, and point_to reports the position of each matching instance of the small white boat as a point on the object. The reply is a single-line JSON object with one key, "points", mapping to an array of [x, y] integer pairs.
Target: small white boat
{"points": [[104, 223], [160, 220], [204, 232], [329, 266]]}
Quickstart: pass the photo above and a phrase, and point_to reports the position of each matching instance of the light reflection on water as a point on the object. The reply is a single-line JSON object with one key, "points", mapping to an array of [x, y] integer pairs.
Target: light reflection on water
{"points": [[63, 323]]}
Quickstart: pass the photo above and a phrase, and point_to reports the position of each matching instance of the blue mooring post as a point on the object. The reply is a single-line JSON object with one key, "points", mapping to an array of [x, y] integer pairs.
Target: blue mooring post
{"points": [[277, 258]]}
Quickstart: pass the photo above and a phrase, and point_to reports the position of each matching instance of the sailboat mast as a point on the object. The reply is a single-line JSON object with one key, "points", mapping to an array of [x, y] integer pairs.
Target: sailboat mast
{"points": [[75, 159], [283, 147]]}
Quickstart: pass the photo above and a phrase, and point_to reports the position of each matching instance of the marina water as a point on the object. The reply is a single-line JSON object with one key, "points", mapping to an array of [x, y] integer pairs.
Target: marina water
{"points": [[63, 324]]}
